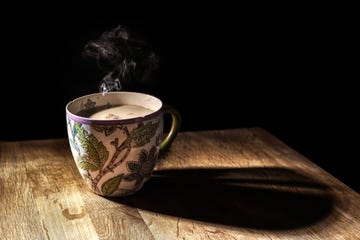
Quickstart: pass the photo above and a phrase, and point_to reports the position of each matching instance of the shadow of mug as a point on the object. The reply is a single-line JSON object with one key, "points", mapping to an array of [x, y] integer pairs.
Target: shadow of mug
{"points": [[116, 138], [257, 198]]}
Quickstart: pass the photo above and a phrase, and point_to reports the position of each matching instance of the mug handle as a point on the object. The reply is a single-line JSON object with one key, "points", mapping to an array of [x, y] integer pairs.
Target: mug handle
{"points": [[175, 126]]}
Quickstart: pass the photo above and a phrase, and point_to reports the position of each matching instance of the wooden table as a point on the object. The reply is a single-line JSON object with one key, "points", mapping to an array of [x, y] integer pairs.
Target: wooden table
{"points": [[230, 184]]}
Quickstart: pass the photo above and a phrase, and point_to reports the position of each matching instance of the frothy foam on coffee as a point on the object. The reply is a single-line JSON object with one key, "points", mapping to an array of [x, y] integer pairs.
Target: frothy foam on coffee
{"points": [[121, 112]]}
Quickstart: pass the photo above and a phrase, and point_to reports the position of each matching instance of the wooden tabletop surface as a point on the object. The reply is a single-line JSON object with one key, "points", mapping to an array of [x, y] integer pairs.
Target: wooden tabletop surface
{"points": [[224, 184]]}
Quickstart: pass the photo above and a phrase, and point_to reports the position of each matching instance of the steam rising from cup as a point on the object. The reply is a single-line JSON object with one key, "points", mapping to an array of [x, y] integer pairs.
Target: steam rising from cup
{"points": [[122, 58]]}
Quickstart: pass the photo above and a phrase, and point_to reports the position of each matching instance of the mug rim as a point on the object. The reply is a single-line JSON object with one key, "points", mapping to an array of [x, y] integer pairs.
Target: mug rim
{"points": [[86, 120]]}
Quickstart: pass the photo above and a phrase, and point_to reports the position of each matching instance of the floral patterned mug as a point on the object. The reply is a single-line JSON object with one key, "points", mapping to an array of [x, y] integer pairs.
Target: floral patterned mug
{"points": [[114, 154]]}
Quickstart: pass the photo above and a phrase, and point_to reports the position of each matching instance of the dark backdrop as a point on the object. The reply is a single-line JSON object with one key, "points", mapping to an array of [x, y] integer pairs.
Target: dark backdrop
{"points": [[290, 72]]}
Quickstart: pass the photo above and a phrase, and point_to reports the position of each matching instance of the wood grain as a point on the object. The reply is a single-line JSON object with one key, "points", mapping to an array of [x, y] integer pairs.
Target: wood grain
{"points": [[224, 184]]}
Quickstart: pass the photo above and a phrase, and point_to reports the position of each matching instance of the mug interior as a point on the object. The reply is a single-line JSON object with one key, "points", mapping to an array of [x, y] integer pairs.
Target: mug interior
{"points": [[95, 101]]}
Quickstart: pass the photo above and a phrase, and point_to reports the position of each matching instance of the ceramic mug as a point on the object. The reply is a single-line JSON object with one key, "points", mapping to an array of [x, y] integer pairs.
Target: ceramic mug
{"points": [[116, 156]]}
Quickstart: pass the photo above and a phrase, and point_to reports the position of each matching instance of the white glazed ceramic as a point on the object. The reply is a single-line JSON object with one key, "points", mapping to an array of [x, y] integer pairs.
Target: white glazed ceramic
{"points": [[116, 157]]}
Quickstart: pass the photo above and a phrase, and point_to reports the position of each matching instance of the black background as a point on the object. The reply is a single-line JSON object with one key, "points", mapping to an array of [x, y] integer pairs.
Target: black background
{"points": [[289, 70]]}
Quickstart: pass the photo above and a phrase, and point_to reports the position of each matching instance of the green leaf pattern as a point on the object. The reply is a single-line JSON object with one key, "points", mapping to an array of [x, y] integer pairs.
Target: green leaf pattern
{"points": [[95, 154], [142, 134], [108, 187]]}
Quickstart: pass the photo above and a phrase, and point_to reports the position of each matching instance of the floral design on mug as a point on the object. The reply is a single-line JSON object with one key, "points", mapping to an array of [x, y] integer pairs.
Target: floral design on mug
{"points": [[95, 156], [72, 134], [107, 130], [89, 104], [143, 168]]}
